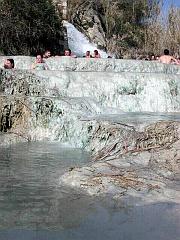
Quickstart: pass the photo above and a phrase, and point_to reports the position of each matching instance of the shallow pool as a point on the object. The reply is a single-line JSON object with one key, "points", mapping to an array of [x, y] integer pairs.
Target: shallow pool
{"points": [[33, 206]]}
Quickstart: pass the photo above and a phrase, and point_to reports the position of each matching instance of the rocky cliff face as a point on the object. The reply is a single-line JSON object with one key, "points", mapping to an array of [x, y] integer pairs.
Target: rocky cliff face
{"points": [[88, 20], [86, 17], [61, 6]]}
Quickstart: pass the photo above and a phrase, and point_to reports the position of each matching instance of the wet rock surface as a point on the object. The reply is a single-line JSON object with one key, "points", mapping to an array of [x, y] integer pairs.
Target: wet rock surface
{"points": [[124, 167], [96, 65], [133, 154]]}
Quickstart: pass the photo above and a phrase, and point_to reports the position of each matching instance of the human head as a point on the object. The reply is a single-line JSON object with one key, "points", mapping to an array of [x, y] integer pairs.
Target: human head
{"points": [[47, 54], [166, 52], [88, 53], [96, 54], [39, 59], [67, 52], [9, 63]]}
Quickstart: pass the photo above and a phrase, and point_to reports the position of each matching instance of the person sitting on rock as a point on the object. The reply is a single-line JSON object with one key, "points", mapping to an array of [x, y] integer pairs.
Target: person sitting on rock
{"points": [[39, 63], [166, 58], [9, 63], [47, 54], [96, 54]]}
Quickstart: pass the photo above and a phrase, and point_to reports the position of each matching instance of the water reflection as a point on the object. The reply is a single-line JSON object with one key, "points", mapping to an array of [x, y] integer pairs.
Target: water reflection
{"points": [[158, 221], [30, 195], [34, 207], [138, 118]]}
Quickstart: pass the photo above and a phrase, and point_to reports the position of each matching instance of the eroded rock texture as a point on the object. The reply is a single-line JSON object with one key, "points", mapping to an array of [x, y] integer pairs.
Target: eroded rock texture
{"points": [[88, 19], [91, 104]]}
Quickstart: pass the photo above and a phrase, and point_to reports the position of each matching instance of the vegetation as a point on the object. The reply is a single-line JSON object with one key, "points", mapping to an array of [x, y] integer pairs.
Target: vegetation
{"points": [[164, 32], [28, 27], [132, 27], [126, 21], [135, 27]]}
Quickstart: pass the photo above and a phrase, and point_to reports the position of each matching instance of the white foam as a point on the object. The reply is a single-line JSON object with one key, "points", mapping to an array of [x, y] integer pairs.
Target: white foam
{"points": [[78, 42]]}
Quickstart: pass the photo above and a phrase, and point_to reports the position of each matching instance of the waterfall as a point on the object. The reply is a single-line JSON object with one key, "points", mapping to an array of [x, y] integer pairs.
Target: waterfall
{"points": [[78, 42]]}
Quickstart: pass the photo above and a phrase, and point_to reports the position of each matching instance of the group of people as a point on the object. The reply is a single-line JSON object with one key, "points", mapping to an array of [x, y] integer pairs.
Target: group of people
{"points": [[95, 55], [68, 53], [40, 61], [166, 58]]}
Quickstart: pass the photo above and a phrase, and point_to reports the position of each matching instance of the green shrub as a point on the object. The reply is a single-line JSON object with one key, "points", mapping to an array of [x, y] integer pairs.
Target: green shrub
{"points": [[28, 27]]}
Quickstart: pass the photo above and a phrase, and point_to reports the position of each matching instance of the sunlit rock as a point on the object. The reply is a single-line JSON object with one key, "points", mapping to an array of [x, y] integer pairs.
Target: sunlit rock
{"points": [[126, 113]]}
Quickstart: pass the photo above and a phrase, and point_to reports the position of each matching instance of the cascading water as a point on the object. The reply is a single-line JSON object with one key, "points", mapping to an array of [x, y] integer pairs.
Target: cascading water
{"points": [[79, 102], [85, 89], [79, 43]]}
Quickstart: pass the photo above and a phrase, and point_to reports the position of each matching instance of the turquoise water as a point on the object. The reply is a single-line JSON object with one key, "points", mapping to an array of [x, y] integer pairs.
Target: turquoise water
{"points": [[33, 206]]}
